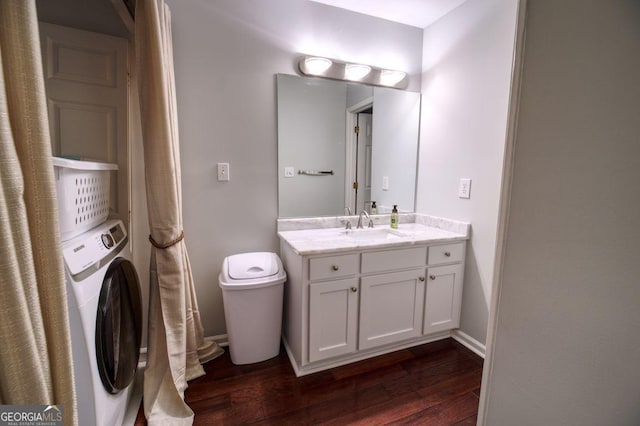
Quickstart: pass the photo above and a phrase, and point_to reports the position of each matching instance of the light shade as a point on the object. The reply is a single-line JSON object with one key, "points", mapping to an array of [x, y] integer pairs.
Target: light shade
{"points": [[390, 77], [316, 65], [356, 71]]}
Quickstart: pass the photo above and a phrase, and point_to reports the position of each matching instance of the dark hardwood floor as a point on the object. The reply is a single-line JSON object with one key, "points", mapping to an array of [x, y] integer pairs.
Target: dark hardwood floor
{"points": [[433, 384]]}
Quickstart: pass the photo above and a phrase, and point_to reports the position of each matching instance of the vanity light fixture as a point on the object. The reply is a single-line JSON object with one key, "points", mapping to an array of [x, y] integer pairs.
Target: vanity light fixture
{"points": [[337, 70]]}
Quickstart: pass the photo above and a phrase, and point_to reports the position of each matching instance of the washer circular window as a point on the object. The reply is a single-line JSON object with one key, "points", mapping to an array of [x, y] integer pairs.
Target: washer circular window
{"points": [[118, 326]]}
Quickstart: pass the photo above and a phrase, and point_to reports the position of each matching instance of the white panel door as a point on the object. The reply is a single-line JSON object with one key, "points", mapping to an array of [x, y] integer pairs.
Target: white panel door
{"points": [[333, 316], [390, 308], [443, 298], [87, 90]]}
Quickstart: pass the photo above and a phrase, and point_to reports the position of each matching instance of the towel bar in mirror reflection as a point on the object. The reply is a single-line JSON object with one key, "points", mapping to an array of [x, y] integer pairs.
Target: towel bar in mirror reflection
{"points": [[316, 173], [366, 136]]}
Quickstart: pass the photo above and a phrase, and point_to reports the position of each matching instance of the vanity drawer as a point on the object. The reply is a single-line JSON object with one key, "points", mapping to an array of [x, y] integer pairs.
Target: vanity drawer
{"points": [[322, 268], [390, 260], [445, 253]]}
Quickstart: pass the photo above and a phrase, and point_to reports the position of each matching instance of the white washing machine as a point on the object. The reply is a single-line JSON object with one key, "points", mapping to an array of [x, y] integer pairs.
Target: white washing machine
{"points": [[105, 316]]}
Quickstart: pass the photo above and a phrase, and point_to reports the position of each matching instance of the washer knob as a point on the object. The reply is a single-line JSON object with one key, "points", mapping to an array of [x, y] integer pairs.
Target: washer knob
{"points": [[107, 240]]}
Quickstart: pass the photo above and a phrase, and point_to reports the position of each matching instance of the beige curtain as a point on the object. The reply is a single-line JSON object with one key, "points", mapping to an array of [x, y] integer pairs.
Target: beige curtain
{"points": [[176, 345], [35, 345]]}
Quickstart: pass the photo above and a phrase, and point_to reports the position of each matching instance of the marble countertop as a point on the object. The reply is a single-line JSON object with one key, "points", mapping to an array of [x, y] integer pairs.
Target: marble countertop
{"points": [[324, 240]]}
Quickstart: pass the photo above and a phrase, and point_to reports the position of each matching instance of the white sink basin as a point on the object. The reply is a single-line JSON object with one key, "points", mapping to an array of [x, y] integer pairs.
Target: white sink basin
{"points": [[369, 234]]}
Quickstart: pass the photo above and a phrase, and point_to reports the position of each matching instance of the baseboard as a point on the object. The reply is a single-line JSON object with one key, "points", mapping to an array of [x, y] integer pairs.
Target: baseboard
{"points": [[223, 341], [220, 339], [361, 355], [469, 342]]}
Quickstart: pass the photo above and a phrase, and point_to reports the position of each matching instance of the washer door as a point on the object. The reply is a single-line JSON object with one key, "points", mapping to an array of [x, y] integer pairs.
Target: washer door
{"points": [[119, 326]]}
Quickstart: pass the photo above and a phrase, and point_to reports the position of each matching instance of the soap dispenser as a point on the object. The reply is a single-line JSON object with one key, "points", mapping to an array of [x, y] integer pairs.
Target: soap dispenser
{"points": [[394, 217], [374, 208]]}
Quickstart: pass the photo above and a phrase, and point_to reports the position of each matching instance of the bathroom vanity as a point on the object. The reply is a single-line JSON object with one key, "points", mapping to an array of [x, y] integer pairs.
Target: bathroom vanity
{"points": [[354, 294]]}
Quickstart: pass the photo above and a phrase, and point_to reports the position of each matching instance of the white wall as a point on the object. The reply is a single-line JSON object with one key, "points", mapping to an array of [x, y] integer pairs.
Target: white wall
{"points": [[226, 56], [467, 60], [357, 93], [567, 345]]}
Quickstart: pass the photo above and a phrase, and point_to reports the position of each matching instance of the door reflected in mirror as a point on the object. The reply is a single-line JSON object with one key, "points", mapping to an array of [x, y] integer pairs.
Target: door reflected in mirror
{"points": [[342, 146]]}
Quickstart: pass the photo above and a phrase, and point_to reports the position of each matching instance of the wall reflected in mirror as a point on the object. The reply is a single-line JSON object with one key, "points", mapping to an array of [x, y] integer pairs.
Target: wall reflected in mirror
{"points": [[342, 146]]}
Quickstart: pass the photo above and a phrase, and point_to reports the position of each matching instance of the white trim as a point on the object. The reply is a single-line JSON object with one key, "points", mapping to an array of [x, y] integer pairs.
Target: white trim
{"points": [[359, 356], [469, 342], [292, 359], [503, 217], [221, 339], [123, 14]]}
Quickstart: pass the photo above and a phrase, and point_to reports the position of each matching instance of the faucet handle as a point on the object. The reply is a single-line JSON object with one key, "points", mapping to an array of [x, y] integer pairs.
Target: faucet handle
{"points": [[348, 225], [370, 223]]}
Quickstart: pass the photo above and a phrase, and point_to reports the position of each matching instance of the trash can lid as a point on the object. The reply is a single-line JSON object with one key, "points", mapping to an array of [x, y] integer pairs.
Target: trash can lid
{"points": [[252, 265]]}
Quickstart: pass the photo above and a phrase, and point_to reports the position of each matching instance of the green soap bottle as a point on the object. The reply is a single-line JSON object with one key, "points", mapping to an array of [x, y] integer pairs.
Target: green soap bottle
{"points": [[374, 208], [394, 217]]}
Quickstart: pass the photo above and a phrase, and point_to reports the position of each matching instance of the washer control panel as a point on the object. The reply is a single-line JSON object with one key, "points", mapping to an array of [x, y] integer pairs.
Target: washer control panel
{"points": [[90, 248]]}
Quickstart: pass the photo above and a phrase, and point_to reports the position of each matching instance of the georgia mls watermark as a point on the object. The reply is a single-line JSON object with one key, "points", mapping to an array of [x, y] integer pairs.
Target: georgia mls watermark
{"points": [[31, 415]]}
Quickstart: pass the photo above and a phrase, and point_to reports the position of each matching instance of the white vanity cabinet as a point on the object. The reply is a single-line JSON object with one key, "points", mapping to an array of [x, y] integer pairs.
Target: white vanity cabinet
{"points": [[391, 303], [347, 306], [443, 298], [333, 318], [444, 287], [391, 308]]}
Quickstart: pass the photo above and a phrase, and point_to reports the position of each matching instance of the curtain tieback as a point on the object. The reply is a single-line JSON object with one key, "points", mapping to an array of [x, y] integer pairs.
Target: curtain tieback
{"points": [[169, 244]]}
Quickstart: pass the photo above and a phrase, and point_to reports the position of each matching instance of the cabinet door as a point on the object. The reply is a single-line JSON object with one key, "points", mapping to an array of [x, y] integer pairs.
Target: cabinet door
{"points": [[443, 298], [333, 312], [390, 307]]}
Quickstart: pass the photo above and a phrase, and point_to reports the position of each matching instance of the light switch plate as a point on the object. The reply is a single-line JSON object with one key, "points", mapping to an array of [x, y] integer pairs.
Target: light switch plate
{"points": [[289, 172], [385, 183], [223, 172], [464, 189]]}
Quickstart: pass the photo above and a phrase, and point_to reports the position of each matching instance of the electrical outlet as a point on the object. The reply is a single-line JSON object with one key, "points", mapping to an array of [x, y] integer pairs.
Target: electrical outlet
{"points": [[223, 172], [289, 172], [464, 189]]}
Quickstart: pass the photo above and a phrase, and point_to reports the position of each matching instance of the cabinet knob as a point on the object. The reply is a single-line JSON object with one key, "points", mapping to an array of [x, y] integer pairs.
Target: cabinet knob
{"points": [[432, 277], [335, 267], [354, 289], [421, 278], [447, 253]]}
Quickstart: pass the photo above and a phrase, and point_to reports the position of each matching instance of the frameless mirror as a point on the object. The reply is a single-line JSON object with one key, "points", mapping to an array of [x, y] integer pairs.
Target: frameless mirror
{"points": [[345, 145]]}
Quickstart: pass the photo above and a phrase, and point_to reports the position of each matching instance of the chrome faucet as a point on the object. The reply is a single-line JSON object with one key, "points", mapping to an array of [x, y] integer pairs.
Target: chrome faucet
{"points": [[359, 226], [346, 221]]}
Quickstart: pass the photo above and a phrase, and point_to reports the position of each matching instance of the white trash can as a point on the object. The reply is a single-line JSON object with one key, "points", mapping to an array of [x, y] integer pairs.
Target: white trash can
{"points": [[252, 291]]}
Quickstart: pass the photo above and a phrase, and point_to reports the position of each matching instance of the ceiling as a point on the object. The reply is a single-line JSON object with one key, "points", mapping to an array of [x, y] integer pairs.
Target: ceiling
{"points": [[89, 15], [417, 13]]}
